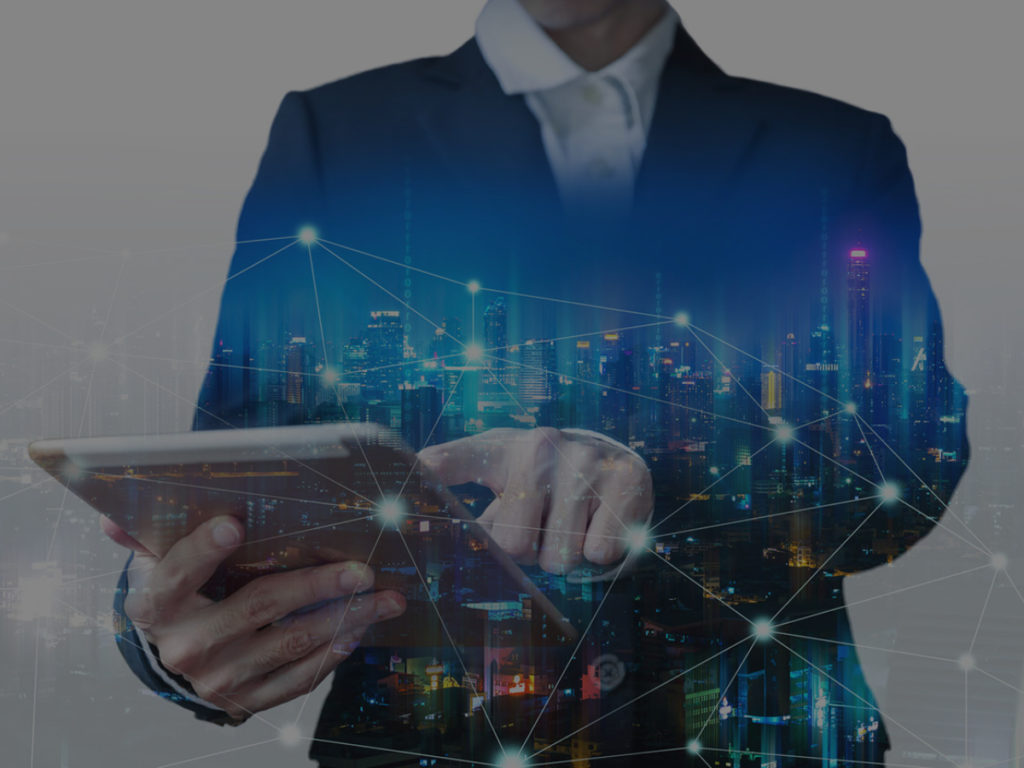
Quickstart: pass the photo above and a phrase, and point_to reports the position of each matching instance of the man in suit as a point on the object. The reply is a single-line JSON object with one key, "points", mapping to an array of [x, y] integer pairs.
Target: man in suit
{"points": [[698, 300]]}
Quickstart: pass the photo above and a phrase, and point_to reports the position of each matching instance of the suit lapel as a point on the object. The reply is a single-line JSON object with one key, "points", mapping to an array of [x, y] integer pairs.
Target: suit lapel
{"points": [[490, 141], [701, 134]]}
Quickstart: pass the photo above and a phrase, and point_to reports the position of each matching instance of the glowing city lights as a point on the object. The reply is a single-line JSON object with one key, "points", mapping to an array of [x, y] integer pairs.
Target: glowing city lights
{"points": [[688, 386]]}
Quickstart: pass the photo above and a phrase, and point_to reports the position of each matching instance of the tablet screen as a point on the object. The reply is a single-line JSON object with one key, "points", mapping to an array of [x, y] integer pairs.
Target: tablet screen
{"points": [[316, 494]]}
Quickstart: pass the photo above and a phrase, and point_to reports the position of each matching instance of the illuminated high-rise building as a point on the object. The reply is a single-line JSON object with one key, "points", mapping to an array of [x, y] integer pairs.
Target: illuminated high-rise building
{"points": [[300, 379], [353, 361], [385, 351], [771, 390], [538, 378], [617, 373], [583, 390], [886, 370], [858, 286], [789, 365], [496, 381], [447, 357], [421, 416]]}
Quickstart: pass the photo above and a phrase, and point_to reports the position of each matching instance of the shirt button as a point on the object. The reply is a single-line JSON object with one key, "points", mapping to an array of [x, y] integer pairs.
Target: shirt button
{"points": [[592, 94]]}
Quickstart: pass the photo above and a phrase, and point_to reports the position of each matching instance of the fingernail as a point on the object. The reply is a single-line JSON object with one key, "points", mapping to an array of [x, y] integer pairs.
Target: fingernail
{"points": [[353, 578], [226, 535], [345, 648], [387, 607]]}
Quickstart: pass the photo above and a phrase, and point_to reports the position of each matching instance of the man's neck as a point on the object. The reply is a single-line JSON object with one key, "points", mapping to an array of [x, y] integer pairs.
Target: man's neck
{"points": [[597, 44]]}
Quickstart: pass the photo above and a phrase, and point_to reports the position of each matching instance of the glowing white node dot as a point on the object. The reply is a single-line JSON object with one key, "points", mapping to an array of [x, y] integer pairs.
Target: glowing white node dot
{"points": [[784, 433], [965, 662], [1000, 561], [391, 510], [713, 470], [473, 286], [638, 538], [850, 408], [693, 747], [307, 235], [329, 377], [72, 471], [38, 592], [511, 760], [763, 629], [890, 492], [474, 352], [290, 735], [682, 319], [98, 351]]}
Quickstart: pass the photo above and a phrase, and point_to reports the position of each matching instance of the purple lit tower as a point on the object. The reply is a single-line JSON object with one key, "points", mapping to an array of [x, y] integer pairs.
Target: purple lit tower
{"points": [[858, 286]]}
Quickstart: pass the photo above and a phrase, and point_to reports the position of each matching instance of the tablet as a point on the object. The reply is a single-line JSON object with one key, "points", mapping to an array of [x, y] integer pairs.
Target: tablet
{"points": [[314, 494]]}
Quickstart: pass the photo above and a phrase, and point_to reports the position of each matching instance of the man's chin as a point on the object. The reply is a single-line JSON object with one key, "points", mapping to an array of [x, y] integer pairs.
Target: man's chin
{"points": [[557, 15]]}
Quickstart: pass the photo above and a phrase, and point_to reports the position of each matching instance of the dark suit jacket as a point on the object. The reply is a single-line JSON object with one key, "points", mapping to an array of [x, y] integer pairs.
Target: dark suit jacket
{"points": [[749, 201]]}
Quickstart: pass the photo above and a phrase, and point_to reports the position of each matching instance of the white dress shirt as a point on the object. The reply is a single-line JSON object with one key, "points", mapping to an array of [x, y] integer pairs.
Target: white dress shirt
{"points": [[593, 124]]}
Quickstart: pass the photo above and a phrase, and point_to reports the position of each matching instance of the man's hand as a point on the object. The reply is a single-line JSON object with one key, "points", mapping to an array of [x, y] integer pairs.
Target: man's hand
{"points": [[246, 653], [561, 496]]}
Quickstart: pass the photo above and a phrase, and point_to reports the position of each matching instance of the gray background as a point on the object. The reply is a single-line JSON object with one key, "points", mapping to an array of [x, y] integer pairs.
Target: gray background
{"points": [[129, 132]]}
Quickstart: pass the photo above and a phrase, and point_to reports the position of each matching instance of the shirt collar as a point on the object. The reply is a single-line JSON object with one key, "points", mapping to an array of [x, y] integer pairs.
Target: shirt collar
{"points": [[524, 59]]}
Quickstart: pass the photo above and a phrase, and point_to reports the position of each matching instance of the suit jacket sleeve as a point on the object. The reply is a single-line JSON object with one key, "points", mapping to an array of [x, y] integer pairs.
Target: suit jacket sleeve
{"points": [[909, 433], [269, 286]]}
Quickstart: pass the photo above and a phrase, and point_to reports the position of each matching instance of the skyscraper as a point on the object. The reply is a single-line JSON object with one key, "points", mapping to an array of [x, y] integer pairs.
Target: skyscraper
{"points": [[538, 377], [858, 286], [300, 380], [496, 381], [384, 354], [421, 416]]}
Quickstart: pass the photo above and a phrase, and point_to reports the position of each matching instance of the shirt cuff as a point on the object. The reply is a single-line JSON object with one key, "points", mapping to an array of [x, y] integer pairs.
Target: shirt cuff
{"points": [[176, 683], [144, 661]]}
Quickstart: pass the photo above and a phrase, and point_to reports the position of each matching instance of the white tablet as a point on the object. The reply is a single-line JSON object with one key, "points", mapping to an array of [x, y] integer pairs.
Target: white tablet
{"points": [[310, 495]]}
